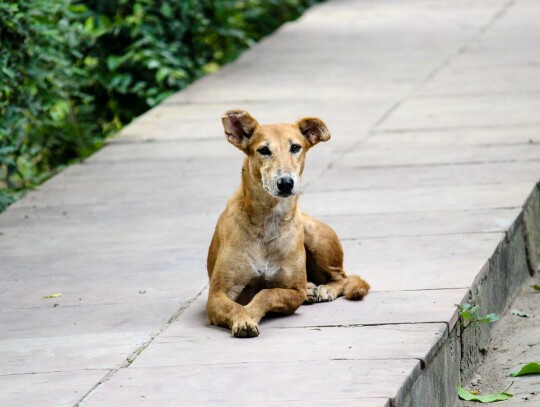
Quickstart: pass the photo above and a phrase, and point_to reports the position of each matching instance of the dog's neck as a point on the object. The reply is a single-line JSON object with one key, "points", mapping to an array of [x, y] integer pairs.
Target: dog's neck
{"points": [[260, 206]]}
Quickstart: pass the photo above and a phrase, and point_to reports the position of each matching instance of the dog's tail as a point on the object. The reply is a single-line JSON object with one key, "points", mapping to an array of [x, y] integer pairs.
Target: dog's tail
{"points": [[356, 288]]}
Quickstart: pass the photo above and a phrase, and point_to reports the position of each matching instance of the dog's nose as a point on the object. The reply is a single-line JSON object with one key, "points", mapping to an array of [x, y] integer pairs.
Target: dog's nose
{"points": [[285, 185]]}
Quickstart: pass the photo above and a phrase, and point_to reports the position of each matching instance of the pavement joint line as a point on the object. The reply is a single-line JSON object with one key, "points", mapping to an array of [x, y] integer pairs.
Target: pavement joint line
{"points": [[363, 189], [337, 215], [122, 142], [133, 356], [419, 289], [480, 232], [465, 94], [275, 361], [330, 166], [341, 215], [245, 101], [52, 372], [368, 324], [499, 208], [265, 362], [100, 304], [184, 140], [454, 128]]}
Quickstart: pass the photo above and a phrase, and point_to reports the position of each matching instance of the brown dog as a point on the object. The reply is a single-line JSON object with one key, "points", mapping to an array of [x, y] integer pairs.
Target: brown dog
{"points": [[263, 245]]}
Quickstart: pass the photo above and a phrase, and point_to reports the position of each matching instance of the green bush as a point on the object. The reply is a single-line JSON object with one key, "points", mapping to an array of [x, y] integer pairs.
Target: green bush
{"points": [[74, 72], [41, 102]]}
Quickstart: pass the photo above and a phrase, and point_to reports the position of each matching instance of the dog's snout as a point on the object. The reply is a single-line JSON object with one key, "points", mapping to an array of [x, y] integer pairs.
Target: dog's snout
{"points": [[285, 185]]}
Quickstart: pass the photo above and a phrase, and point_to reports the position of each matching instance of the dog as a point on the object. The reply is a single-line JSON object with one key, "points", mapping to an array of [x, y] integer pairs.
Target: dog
{"points": [[264, 249]]}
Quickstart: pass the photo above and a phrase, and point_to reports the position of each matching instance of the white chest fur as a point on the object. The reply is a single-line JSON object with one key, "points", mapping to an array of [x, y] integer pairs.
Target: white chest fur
{"points": [[264, 266], [267, 251]]}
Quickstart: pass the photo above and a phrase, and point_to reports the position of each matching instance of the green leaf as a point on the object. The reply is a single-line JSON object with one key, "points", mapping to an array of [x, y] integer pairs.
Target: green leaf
{"points": [[9, 72], [89, 24], [521, 314], [114, 62], [162, 73], [488, 398], [536, 287], [104, 21], [465, 307], [77, 8], [53, 295], [529, 368], [490, 318], [466, 315], [152, 64]]}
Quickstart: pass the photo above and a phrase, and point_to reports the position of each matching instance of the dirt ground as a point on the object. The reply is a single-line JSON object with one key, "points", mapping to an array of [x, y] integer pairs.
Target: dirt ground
{"points": [[515, 342]]}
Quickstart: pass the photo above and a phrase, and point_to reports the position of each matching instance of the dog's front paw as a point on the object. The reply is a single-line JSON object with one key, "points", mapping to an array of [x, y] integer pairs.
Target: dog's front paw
{"points": [[245, 328], [312, 293]]}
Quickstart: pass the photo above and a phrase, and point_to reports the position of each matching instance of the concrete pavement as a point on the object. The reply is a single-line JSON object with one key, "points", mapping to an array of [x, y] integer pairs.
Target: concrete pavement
{"points": [[433, 108]]}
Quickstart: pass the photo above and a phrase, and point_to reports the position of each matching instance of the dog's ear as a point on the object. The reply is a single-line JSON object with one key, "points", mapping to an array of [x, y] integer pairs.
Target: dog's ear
{"points": [[313, 129], [239, 126]]}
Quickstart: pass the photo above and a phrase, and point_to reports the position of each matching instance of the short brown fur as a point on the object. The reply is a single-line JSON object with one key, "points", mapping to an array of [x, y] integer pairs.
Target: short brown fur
{"points": [[264, 249]]}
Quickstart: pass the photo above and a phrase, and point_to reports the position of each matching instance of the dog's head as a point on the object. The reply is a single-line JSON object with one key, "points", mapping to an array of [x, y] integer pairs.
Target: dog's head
{"points": [[276, 152]]}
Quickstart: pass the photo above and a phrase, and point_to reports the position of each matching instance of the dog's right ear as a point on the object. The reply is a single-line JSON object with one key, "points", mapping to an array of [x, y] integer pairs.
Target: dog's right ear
{"points": [[239, 126]]}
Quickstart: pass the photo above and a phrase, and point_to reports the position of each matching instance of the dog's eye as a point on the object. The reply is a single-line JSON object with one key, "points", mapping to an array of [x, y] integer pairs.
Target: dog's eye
{"points": [[295, 148], [264, 151]]}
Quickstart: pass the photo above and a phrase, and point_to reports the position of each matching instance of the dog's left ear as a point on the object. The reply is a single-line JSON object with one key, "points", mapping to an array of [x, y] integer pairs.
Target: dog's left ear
{"points": [[313, 129], [239, 126]]}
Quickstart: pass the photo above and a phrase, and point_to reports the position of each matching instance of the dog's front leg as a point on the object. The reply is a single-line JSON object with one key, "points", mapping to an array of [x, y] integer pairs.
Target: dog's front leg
{"points": [[223, 311], [282, 300]]}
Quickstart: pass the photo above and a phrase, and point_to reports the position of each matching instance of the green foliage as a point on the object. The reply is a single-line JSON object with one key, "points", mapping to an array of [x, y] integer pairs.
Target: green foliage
{"points": [[531, 368], [41, 103], [74, 72], [470, 314], [488, 398]]}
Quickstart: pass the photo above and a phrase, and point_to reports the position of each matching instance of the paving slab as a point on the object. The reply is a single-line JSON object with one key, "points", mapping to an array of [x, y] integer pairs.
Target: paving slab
{"points": [[433, 108], [396, 155], [420, 262], [59, 389], [63, 353], [408, 224], [463, 197], [487, 136], [428, 174], [230, 384], [51, 321], [465, 111], [199, 346]]}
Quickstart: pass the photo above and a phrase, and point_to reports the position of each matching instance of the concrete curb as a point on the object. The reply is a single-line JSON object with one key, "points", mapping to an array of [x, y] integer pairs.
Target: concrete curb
{"points": [[513, 262]]}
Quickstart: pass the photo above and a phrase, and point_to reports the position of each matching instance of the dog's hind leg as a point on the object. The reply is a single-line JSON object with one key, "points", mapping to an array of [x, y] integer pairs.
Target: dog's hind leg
{"points": [[327, 279]]}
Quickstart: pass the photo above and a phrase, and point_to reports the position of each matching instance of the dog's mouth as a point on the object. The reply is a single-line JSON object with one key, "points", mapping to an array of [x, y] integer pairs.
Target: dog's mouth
{"points": [[285, 194], [278, 194]]}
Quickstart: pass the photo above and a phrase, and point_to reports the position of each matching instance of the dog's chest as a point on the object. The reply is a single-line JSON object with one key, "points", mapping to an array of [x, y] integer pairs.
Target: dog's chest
{"points": [[263, 265], [265, 258], [268, 250]]}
